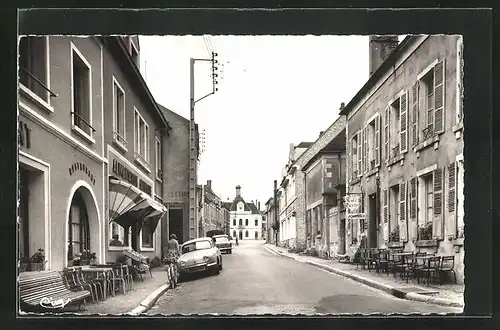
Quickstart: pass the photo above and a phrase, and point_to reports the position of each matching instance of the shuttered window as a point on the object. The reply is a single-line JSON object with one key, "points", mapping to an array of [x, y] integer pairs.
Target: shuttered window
{"points": [[439, 97], [377, 141], [403, 224], [349, 159], [386, 134], [403, 123], [365, 150], [414, 114], [437, 226], [385, 213], [360, 154]]}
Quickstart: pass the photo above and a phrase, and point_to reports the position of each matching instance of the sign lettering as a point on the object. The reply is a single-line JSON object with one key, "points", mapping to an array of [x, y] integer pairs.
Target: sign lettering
{"points": [[181, 194], [123, 172], [78, 166], [24, 135], [53, 304]]}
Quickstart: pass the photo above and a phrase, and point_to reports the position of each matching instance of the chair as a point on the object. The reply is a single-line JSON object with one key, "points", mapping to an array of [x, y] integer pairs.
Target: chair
{"points": [[72, 282], [128, 277], [372, 259], [447, 265], [407, 266], [362, 260], [84, 279], [382, 263], [430, 270], [395, 263], [119, 277]]}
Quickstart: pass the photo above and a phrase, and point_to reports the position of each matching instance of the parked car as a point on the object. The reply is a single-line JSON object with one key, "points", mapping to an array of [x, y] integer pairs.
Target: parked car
{"points": [[223, 243], [199, 255]]}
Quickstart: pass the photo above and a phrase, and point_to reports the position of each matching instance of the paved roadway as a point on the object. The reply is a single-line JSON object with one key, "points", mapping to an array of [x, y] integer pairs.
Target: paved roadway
{"points": [[255, 281]]}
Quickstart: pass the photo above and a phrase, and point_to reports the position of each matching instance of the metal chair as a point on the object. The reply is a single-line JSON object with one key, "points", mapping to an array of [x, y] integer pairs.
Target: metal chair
{"points": [[447, 266]]}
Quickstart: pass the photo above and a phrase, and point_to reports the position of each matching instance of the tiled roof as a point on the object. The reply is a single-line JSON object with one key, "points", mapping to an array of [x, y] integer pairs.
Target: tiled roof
{"points": [[248, 206]]}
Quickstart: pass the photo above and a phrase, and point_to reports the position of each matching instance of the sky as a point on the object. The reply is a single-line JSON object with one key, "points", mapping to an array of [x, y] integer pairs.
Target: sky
{"points": [[273, 91]]}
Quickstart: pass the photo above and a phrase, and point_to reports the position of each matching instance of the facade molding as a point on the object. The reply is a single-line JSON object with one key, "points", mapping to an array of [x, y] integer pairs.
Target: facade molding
{"points": [[426, 170], [59, 133]]}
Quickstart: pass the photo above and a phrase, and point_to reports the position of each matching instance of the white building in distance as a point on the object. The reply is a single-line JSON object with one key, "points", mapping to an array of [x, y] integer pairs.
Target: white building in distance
{"points": [[245, 219]]}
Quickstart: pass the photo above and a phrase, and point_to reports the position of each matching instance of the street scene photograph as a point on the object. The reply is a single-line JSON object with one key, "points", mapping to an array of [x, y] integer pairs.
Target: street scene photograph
{"points": [[168, 175]]}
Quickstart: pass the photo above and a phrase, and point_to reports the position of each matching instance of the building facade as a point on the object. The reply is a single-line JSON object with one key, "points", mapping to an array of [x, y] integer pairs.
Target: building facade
{"points": [[176, 177], [271, 226], [405, 150], [245, 218], [71, 150], [213, 215], [324, 179]]}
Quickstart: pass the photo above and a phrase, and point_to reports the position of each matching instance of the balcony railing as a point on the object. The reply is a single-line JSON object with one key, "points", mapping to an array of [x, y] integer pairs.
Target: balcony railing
{"points": [[119, 138], [80, 119], [38, 81], [428, 132]]}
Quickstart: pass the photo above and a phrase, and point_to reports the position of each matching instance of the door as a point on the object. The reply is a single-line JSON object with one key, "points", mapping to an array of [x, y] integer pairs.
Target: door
{"points": [[373, 221]]}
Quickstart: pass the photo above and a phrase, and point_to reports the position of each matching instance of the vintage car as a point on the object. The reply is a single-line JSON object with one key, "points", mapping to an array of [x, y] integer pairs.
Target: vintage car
{"points": [[199, 255], [223, 243]]}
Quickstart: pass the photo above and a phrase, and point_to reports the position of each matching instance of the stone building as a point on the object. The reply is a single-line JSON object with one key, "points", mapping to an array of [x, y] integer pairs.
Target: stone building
{"points": [[176, 177], [324, 180], [245, 218], [74, 155], [212, 213], [405, 148]]}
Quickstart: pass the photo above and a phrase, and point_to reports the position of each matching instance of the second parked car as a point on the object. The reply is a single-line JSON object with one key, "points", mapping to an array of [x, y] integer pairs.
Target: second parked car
{"points": [[223, 243]]}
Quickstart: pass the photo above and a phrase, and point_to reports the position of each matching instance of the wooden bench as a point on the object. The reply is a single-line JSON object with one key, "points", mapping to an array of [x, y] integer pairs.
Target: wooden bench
{"points": [[38, 290]]}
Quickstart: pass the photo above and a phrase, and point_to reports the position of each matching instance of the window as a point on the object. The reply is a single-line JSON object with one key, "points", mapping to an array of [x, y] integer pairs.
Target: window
{"points": [[33, 66], [246, 233], [371, 147], [256, 235], [119, 131], [430, 105], [159, 159], [234, 222], [234, 233], [82, 94], [117, 236], [256, 223], [78, 232], [355, 155], [394, 123], [199, 245], [147, 237], [427, 104], [246, 222], [141, 146], [241, 222], [394, 213]]}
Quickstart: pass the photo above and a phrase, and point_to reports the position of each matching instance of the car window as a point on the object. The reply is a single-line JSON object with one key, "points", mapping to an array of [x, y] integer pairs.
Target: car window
{"points": [[200, 245], [221, 239]]}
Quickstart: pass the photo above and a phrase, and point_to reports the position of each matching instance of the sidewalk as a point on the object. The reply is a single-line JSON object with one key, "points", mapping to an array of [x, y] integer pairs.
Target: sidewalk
{"points": [[446, 294], [124, 303]]}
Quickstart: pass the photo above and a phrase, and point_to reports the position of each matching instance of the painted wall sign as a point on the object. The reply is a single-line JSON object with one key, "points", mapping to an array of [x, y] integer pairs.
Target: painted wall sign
{"points": [[182, 194], [79, 166], [123, 172], [24, 135]]}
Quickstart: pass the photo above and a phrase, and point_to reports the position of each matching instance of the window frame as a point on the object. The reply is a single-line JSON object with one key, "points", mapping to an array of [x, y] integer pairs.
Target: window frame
{"points": [[153, 240], [158, 159], [116, 134], [75, 51], [142, 160], [45, 104], [84, 239], [121, 237]]}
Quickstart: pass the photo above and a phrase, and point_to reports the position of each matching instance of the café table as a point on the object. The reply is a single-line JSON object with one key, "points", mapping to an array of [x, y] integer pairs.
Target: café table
{"points": [[105, 271]]}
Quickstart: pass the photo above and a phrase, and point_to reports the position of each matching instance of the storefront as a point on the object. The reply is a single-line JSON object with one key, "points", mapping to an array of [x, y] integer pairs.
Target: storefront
{"points": [[132, 210], [60, 193]]}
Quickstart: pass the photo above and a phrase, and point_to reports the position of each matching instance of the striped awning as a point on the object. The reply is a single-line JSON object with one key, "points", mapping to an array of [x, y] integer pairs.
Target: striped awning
{"points": [[128, 205]]}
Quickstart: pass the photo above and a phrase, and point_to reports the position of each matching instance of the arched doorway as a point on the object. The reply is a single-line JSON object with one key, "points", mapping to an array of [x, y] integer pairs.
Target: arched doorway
{"points": [[256, 235], [83, 225], [234, 233], [241, 234]]}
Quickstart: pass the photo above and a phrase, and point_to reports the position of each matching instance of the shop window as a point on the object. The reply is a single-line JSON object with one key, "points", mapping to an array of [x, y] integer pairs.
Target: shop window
{"points": [[141, 145], [78, 233], [147, 237], [117, 236], [82, 115], [246, 222], [119, 132], [33, 66]]}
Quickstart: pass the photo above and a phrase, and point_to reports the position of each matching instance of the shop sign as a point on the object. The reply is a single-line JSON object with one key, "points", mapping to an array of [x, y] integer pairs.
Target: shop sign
{"points": [[24, 135], [181, 194], [78, 166], [123, 172]]}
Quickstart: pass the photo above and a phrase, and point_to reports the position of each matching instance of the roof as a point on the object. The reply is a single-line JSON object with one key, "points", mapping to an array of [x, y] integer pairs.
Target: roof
{"points": [[247, 206], [377, 75], [173, 114], [336, 146], [304, 145], [119, 50]]}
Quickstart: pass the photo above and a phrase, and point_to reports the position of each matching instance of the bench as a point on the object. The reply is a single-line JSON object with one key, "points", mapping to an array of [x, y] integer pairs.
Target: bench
{"points": [[46, 290]]}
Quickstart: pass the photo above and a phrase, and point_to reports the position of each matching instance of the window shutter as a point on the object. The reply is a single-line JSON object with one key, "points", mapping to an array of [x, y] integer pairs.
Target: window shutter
{"points": [[403, 224], [385, 214], [349, 160], [413, 209], [403, 123], [452, 199], [386, 134], [377, 141], [414, 114], [437, 227], [365, 150], [460, 80], [439, 97], [360, 155]]}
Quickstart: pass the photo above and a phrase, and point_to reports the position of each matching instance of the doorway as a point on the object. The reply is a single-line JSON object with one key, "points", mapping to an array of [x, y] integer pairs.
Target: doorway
{"points": [[342, 237], [373, 221], [175, 223], [241, 235], [24, 250]]}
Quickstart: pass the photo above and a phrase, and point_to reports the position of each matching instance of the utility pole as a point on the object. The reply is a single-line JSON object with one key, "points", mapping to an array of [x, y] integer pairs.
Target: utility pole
{"points": [[193, 157]]}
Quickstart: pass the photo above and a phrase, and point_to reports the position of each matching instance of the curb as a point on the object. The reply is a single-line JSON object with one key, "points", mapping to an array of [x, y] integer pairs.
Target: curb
{"points": [[383, 287], [150, 300]]}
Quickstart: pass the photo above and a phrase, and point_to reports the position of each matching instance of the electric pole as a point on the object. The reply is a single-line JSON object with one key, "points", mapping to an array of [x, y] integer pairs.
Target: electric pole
{"points": [[193, 156]]}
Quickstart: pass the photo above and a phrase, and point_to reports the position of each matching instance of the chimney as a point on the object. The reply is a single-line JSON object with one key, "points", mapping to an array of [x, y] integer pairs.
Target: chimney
{"points": [[238, 191], [209, 184], [321, 133], [380, 48]]}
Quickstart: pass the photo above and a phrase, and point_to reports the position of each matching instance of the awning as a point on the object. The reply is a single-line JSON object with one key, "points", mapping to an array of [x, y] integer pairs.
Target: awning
{"points": [[128, 205]]}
